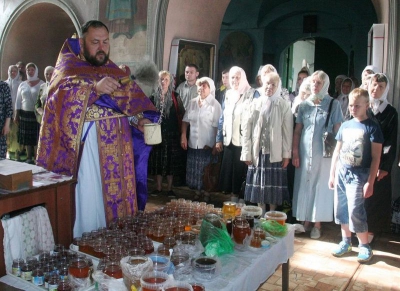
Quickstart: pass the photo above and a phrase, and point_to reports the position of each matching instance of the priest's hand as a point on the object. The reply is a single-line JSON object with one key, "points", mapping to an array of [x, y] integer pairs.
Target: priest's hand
{"points": [[107, 85], [142, 122]]}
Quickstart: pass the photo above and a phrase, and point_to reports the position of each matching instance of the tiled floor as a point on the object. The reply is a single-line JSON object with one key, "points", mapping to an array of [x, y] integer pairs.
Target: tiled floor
{"points": [[312, 267]]}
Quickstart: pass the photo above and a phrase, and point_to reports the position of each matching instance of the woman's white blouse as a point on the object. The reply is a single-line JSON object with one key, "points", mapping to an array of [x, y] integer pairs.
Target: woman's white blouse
{"points": [[203, 121], [27, 96]]}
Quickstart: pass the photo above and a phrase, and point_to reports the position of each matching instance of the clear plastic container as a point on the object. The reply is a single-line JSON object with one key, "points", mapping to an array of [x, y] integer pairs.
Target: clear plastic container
{"points": [[153, 280], [278, 216], [206, 268]]}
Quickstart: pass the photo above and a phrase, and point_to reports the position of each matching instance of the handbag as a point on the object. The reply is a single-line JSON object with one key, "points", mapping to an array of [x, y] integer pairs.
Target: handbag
{"points": [[328, 138], [211, 175]]}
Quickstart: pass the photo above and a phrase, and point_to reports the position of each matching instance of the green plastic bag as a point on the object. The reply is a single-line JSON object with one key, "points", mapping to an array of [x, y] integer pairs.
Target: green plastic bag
{"points": [[274, 228], [214, 237]]}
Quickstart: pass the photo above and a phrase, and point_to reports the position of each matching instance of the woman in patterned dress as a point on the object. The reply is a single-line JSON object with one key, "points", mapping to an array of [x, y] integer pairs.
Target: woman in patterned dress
{"points": [[167, 158]]}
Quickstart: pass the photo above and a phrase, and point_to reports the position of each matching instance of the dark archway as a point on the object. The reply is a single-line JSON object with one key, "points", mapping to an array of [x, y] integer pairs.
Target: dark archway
{"points": [[330, 58], [37, 37]]}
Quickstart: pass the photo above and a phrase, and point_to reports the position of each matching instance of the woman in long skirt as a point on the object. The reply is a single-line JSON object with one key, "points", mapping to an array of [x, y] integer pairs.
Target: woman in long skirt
{"points": [[267, 145], [202, 114]]}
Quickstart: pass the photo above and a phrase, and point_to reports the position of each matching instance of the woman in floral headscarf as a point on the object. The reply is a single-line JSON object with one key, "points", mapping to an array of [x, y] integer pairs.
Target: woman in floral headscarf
{"points": [[28, 128], [312, 199], [238, 98], [387, 118]]}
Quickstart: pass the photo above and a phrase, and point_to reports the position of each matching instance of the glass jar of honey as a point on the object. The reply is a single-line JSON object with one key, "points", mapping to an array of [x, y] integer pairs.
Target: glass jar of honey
{"points": [[229, 208]]}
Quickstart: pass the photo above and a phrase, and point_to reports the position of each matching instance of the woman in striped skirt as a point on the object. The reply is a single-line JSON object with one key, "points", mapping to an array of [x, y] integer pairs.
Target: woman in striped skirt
{"points": [[267, 144]]}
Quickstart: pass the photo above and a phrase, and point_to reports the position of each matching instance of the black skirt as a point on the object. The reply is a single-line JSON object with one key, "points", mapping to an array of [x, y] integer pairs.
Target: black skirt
{"points": [[233, 170], [28, 128]]}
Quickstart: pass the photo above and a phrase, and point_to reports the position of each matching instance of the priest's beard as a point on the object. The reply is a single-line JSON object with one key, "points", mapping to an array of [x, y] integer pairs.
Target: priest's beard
{"points": [[99, 59]]}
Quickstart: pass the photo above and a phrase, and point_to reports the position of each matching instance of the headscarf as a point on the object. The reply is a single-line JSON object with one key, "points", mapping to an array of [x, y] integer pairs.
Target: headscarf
{"points": [[370, 68], [48, 68], [324, 90], [13, 84], [341, 95], [266, 108], [243, 84], [374, 70], [340, 77], [35, 76], [378, 105], [210, 84], [166, 105], [268, 68], [305, 86]]}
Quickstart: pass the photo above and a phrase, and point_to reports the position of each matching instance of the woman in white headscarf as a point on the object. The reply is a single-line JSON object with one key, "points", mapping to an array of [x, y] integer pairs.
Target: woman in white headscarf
{"points": [[202, 114], [312, 199], [267, 145], [387, 118], [338, 82], [345, 88], [238, 98], [28, 128], [368, 70], [13, 82], [304, 93]]}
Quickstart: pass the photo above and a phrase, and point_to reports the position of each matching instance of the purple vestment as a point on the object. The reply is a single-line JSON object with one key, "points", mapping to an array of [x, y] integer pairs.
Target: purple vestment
{"points": [[73, 100]]}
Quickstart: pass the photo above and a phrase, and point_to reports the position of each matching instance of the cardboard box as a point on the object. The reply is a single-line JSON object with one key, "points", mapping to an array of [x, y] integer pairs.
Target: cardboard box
{"points": [[16, 181]]}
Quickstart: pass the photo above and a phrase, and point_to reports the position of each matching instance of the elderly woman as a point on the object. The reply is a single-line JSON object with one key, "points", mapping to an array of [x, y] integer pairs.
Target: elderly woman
{"points": [[304, 93], [387, 118], [28, 128], [13, 82], [233, 171], [202, 114], [43, 91], [312, 199], [167, 158], [267, 145]]}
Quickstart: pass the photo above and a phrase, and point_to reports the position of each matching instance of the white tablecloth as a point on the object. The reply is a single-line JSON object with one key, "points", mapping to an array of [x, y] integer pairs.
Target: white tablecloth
{"points": [[243, 271], [246, 270]]}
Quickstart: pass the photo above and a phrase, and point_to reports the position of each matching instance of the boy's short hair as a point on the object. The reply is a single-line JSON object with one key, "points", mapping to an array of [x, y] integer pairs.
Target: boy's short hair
{"points": [[226, 71], [359, 93]]}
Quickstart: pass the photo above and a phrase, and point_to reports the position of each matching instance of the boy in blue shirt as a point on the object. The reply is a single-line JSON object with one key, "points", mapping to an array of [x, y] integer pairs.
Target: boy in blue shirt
{"points": [[355, 163]]}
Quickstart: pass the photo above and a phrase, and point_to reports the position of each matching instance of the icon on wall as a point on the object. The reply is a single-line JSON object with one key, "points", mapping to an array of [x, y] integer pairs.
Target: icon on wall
{"points": [[185, 52], [126, 17]]}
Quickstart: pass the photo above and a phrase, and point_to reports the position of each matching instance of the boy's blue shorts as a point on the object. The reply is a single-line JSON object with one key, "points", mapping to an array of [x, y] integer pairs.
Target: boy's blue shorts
{"points": [[349, 198]]}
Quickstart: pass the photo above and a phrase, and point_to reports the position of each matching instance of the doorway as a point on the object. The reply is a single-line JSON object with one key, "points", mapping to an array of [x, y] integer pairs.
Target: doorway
{"points": [[36, 35], [317, 54]]}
